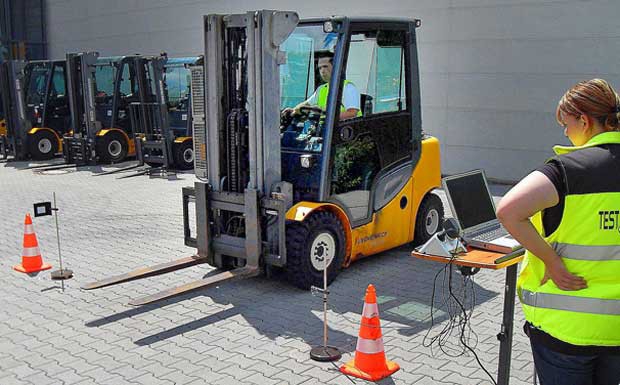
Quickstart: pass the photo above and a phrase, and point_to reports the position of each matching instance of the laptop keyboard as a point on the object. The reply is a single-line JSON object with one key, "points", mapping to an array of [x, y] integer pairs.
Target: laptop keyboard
{"points": [[491, 235]]}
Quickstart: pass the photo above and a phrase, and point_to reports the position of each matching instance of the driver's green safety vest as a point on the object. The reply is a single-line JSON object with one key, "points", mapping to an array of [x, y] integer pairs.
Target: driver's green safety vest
{"points": [[589, 247], [322, 93]]}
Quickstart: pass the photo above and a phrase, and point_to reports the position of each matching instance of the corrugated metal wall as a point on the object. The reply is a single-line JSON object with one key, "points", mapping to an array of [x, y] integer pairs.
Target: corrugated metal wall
{"points": [[492, 70], [22, 29]]}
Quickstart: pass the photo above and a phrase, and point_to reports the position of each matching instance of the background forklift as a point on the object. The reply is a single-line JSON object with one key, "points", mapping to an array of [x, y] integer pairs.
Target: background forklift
{"points": [[309, 191], [164, 126], [100, 92], [36, 108]]}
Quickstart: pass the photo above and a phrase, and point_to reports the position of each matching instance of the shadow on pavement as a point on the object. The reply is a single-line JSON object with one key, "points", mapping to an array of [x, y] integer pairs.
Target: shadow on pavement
{"points": [[274, 308]]}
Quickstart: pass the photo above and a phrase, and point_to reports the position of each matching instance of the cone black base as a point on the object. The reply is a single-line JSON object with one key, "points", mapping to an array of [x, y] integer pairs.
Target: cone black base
{"points": [[325, 353], [60, 275]]}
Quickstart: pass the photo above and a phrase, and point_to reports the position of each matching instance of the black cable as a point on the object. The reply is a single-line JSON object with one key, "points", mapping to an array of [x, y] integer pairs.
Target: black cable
{"points": [[462, 337], [458, 317]]}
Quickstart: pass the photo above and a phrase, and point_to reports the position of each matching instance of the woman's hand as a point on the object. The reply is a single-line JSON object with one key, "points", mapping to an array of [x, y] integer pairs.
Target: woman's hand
{"points": [[563, 279]]}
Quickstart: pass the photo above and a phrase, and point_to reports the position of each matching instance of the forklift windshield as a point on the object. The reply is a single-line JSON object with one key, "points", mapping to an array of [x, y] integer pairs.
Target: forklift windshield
{"points": [[104, 79], [36, 78], [299, 79], [177, 82]]}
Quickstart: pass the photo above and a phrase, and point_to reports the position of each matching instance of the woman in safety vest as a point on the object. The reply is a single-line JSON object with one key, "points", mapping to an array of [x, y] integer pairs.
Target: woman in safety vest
{"points": [[569, 285]]}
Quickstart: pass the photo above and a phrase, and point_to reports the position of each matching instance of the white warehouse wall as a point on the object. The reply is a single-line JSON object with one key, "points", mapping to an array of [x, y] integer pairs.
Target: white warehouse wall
{"points": [[492, 71]]}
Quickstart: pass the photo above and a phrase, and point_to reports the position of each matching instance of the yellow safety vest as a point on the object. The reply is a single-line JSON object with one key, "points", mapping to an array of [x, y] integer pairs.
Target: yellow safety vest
{"points": [[588, 241], [322, 93]]}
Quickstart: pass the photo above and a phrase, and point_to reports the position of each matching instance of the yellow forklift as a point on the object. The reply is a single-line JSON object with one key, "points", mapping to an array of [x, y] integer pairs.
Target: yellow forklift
{"points": [[101, 89], [312, 190], [36, 110]]}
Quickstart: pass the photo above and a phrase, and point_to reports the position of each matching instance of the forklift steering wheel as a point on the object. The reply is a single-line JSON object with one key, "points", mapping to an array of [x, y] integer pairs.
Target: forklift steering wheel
{"points": [[307, 110]]}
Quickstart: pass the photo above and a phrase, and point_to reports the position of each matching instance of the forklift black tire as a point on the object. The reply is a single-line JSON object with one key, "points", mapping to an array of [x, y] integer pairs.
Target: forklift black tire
{"points": [[42, 145], [429, 219], [308, 243], [183, 154], [112, 147]]}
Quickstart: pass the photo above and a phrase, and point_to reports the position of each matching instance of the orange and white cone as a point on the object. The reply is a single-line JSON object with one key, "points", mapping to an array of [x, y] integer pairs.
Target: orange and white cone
{"points": [[370, 363], [31, 255]]}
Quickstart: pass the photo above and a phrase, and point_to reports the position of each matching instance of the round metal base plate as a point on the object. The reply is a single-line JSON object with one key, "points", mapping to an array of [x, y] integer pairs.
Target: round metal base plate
{"points": [[63, 274], [325, 353]]}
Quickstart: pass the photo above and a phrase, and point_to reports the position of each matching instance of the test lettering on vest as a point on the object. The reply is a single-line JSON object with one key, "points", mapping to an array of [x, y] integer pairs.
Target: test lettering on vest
{"points": [[608, 220]]}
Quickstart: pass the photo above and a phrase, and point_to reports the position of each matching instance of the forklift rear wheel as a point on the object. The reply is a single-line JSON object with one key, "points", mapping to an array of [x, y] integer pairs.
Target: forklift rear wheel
{"points": [[429, 219], [184, 155], [112, 147], [43, 145], [312, 244]]}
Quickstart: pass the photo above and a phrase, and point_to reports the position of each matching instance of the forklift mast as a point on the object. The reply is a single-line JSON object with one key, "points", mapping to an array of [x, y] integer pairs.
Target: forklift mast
{"points": [[12, 81], [81, 92], [241, 206]]}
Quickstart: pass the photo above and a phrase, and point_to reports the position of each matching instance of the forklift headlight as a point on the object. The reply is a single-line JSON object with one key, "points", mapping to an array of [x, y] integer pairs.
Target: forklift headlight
{"points": [[328, 27], [306, 161]]}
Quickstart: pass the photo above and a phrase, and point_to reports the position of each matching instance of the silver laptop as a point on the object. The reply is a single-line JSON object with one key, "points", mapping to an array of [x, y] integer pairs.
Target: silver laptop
{"points": [[473, 208]]}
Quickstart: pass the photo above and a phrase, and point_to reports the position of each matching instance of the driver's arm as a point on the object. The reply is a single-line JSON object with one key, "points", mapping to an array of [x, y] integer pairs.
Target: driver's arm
{"points": [[351, 102], [302, 104], [349, 114], [311, 101]]}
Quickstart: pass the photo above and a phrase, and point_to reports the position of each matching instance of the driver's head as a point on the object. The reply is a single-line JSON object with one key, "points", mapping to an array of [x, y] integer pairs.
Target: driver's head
{"points": [[325, 66]]}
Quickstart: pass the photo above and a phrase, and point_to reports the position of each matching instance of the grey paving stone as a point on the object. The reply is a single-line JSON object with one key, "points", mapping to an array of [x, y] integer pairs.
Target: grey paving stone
{"points": [[237, 372], [260, 379], [178, 377], [13, 380], [325, 372], [128, 372], [290, 377], [23, 371], [69, 377], [265, 368], [40, 379]]}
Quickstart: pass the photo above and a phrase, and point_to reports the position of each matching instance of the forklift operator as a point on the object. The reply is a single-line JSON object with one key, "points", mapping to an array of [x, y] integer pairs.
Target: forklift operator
{"points": [[350, 99]]}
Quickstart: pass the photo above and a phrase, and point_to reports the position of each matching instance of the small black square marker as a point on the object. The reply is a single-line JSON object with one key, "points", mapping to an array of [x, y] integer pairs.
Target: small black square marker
{"points": [[42, 209]]}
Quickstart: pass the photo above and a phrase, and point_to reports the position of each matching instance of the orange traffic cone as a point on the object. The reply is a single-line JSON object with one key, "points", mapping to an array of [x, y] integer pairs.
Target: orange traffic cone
{"points": [[31, 256], [370, 363]]}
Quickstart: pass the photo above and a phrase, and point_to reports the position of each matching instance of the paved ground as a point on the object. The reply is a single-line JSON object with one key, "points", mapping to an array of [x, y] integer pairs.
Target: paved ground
{"points": [[256, 331]]}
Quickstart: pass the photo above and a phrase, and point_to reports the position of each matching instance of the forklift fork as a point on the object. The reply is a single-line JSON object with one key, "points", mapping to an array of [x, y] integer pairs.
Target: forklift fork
{"points": [[242, 272], [47, 167]]}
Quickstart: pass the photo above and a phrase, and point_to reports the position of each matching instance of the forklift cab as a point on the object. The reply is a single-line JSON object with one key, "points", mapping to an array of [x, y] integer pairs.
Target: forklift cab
{"points": [[118, 84], [164, 124], [36, 108], [101, 91], [46, 96], [177, 80], [360, 163]]}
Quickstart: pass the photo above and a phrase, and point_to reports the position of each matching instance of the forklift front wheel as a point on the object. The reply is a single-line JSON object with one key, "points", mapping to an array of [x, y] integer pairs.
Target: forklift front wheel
{"points": [[429, 219], [312, 244], [112, 147], [184, 155], [43, 145]]}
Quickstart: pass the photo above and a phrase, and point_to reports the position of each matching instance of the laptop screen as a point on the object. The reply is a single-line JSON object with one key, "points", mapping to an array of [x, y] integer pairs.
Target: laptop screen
{"points": [[471, 200]]}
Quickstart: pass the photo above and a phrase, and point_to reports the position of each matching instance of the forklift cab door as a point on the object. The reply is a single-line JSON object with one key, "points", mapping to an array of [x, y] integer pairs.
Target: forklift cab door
{"points": [[37, 76], [105, 79]]}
